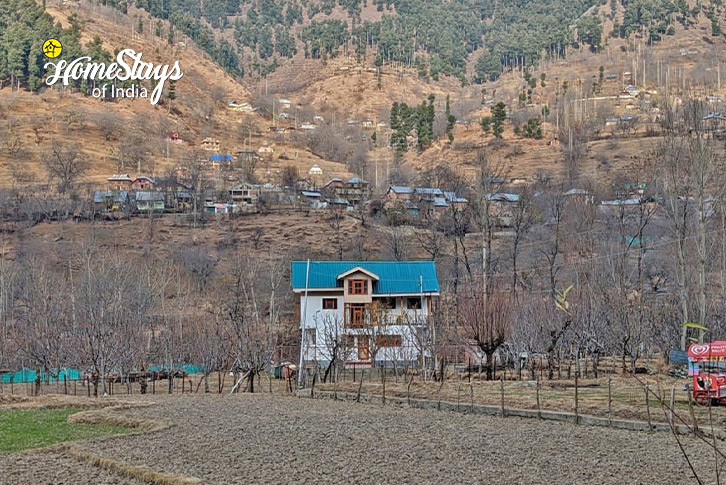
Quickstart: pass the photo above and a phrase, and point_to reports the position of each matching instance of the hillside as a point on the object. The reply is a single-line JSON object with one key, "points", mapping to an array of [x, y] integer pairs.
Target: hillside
{"points": [[354, 85]]}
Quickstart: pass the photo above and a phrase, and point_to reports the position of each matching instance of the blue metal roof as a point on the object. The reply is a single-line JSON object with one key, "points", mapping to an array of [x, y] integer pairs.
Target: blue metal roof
{"points": [[220, 158], [396, 277]]}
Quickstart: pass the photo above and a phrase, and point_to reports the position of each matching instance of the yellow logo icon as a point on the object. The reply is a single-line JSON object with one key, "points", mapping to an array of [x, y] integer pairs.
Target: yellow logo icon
{"points": [[52, 48]]}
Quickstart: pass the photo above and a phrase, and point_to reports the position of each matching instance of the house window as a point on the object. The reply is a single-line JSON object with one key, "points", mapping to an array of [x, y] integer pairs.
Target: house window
{"points": [[356, 315], [389, 341], [310, 337], [330, 303], [387, 303], [413, 303], [357, 287]]}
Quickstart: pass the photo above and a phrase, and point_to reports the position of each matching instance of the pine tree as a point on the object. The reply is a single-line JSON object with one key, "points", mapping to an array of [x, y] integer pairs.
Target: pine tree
{"points": [[499, 114]]}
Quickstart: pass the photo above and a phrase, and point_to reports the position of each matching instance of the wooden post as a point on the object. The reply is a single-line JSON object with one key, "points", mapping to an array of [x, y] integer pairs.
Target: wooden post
{"points": [[539, 408], [458, 395], [383, 381], [647, 405], [673, 396], [360, 385], [75, 388], [577, 402], [693, 415], [501, 385], [610, 400], [471, 395]]}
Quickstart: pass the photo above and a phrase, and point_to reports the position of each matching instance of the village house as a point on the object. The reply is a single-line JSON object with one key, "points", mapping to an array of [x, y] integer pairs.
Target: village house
{"points": [[313, 199], [150, 201], [175, 137], [245, 193], [266, 150], [399, 193], [285, 104], [177, 196], [142, 182], [110, 200], [502, 206], [210, 144], [333, 185], [244, 107], [355, 191], [121, 181], [375, 311], [219, 160]]}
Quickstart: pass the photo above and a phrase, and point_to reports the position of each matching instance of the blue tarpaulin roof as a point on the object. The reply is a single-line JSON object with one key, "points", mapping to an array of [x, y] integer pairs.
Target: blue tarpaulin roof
{"points": [[396, 277]]}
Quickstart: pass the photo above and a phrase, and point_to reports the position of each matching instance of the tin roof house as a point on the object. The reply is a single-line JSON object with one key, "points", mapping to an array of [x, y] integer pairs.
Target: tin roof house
{"points": [[376, 309]]}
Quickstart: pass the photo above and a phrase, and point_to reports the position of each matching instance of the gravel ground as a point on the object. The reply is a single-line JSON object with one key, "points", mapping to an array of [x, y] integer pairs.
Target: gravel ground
{"points": [[265, 439]]}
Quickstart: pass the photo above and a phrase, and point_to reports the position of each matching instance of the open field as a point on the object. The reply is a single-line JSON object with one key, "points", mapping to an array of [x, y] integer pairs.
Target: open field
{"points": [[27, 429], [625, 394], [274, 439]]}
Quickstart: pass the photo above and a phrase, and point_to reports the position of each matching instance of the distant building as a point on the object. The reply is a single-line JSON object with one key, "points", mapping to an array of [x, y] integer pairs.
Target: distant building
{"points": [[142, 182], [210, 144], [245, 193], [120, 181], [150, 201]]}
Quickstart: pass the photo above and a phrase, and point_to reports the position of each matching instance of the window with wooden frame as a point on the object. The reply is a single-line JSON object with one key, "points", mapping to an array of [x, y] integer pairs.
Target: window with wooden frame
{"points": [[357, 287], [387, 303], [389, 340], [330, 303], [413, 303], [356, 315]]}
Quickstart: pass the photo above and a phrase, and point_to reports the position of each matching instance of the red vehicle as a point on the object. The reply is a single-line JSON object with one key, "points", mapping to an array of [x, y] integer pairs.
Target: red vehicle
{"points": [[707, 366]]}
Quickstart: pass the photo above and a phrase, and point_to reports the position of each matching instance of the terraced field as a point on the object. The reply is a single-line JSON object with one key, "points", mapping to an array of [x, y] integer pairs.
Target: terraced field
{"points": [[275, 439]]}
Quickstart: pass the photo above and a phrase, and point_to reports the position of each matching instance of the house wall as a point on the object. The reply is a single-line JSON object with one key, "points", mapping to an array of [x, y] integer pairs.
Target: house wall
{"points": [[331, 323]]}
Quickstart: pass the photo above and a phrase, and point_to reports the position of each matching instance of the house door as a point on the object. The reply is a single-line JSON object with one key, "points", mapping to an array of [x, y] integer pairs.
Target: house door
{"points": [[363, 348]]}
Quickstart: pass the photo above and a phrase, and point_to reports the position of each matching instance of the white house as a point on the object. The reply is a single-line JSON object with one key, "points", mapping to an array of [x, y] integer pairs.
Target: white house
{"points": [[364, 312]]}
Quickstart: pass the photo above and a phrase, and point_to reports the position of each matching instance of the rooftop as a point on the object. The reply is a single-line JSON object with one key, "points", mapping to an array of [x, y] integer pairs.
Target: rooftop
{"points": [[395, 277]]}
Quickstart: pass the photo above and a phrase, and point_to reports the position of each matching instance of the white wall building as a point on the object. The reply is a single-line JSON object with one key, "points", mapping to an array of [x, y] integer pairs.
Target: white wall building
{"points": [[364, 311]]}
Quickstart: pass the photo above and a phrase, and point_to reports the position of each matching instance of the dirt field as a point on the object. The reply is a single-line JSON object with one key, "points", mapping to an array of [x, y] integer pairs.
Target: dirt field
{"points": [[275, 439]]}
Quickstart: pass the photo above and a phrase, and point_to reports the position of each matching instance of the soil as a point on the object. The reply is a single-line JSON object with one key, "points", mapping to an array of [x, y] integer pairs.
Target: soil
{"points": [[54, 468], [274, 439]]}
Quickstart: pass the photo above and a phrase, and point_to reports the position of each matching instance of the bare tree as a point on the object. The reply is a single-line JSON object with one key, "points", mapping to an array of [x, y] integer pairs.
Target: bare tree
{"points": [[64, 164], [488, 321]]}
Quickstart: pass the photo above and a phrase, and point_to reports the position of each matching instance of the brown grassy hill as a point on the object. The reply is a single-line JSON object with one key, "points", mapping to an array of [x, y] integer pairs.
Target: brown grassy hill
{"points": [[343, 89]]}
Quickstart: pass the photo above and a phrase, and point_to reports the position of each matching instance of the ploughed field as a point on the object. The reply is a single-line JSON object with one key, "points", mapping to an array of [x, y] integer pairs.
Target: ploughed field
{"points": [[261, 438]]}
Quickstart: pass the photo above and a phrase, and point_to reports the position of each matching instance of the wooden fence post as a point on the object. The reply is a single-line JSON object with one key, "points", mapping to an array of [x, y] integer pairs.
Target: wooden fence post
{"points": [[693, 415], [610, 400], [501, 385], [471, 396], [360, 384], [577, 403], [673, 396], [539, 409], [647, 405]]}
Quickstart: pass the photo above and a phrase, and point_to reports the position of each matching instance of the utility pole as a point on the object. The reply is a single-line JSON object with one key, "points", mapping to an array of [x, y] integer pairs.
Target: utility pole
{"points": [[302, 329]]}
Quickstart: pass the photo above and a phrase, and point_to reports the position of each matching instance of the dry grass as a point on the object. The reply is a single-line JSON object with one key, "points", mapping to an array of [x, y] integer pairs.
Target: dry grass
{"points": [[138, 472]]}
